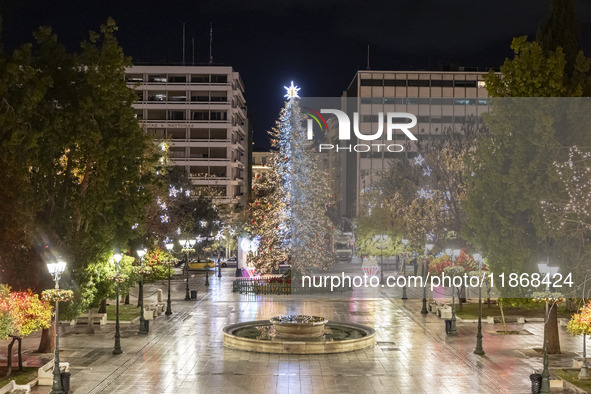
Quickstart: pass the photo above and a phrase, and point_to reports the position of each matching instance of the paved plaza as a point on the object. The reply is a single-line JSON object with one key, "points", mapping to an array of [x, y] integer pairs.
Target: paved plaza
{"points": [[184, 353]]}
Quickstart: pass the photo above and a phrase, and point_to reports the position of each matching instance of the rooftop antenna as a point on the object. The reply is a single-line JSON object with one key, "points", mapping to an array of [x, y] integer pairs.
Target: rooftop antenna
{"points": [[368, 57], [210, 42], [193, 46], [183, 43]]}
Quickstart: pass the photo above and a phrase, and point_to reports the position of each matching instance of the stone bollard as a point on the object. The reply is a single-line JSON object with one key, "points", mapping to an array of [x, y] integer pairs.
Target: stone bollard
{"points": [[159, 295]]}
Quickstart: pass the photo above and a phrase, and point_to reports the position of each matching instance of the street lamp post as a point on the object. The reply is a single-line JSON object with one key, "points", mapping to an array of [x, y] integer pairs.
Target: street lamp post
{"points": [[405, 257], [143, 326], [453, 253], [584, 372], [56, 270], [428, 248], [117, 349], [544, 268], [187, 245], [479, 350], [169, 247]]}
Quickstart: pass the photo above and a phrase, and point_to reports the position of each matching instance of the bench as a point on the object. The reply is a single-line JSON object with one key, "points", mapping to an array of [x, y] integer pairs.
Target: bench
{"points": [[100, 318], [13, 387], [159, 307], [149, 314], [45, 374], [433, 306], [444, 312], [156, 308]]}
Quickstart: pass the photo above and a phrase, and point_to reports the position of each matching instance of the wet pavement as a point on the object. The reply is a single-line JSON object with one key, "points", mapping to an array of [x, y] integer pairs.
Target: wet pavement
{"points": [[183, 353]]}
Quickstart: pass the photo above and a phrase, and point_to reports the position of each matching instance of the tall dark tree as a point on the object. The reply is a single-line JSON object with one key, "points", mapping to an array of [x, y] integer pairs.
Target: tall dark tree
{"points": [[561, 29], [79, 163]]}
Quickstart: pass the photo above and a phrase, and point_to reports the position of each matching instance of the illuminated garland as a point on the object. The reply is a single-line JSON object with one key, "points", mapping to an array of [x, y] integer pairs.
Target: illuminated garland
{"points": [[145, 270], [118, 278], [575, 207], [53, 295], [543, 296]]}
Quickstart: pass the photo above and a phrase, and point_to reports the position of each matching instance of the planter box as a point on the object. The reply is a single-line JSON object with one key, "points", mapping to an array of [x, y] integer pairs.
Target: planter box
{"points": [[371, 270]]}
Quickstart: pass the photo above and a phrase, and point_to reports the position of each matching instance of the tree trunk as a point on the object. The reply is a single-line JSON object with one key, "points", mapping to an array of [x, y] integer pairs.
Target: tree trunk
{"points": [[127, 299], [90, 328], [9, 358], [140, 294], [20, 354], [103, 306], [551, 338], [46, 345]]}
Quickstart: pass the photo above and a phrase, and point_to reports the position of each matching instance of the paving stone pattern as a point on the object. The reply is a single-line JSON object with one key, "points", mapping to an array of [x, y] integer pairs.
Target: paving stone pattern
{"points": [[184, 353]]}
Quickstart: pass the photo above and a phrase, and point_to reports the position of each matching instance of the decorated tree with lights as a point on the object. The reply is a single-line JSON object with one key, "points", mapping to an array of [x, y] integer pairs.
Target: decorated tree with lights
{"points": [[428, 192], [567, 212], [268, 221], [21, 313], [289, 211]]}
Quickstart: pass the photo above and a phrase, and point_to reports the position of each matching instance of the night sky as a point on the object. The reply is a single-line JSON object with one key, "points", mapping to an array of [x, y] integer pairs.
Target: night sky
{"points": [[317, 43]]}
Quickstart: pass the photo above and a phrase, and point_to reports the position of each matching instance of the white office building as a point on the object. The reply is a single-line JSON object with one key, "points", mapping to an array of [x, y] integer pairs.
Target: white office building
{"points": [[439, 100], [200, 112]]}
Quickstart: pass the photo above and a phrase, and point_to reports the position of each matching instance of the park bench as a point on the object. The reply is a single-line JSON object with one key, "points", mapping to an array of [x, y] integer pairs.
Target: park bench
{"points": [[45, 374], [444, 312], [12, 387], [97, 318], [158, 308], [149, 314], [433, 306]]}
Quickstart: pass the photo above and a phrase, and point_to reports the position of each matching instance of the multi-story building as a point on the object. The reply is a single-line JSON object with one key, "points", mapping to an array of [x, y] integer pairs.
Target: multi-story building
{"points": [[439, 99], [200, 112], [260, 164]]}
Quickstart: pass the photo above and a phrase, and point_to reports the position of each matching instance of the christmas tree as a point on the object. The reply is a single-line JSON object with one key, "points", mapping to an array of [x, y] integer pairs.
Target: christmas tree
{"points": [[289, 210]]}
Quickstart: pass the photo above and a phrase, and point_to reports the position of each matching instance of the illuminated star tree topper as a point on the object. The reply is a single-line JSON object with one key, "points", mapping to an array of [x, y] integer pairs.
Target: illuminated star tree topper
{"points": [[292, 91]]}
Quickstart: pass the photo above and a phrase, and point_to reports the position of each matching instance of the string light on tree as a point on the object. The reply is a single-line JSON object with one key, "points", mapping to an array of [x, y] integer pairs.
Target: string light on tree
{"points": [[287, 212]]}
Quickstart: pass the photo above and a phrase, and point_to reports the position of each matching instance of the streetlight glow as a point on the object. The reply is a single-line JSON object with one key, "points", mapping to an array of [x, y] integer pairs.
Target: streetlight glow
{"points": [[56, 269]]}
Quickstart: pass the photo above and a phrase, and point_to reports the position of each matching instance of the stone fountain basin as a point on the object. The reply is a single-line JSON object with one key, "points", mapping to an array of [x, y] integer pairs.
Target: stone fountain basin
{"points": [[294, 346], [298, 326]]}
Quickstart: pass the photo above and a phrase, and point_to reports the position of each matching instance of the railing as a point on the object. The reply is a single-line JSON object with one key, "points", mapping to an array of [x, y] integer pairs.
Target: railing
{"points": [[278, 286]]}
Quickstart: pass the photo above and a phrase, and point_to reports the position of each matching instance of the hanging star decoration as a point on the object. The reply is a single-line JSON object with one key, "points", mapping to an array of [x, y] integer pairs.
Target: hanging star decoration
{"points": [[419, 160], [292, 91]]}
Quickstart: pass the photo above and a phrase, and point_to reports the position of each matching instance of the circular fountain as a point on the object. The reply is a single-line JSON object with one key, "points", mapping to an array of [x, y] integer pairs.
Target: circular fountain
{"points": [[298, 326], [298, 334]]}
